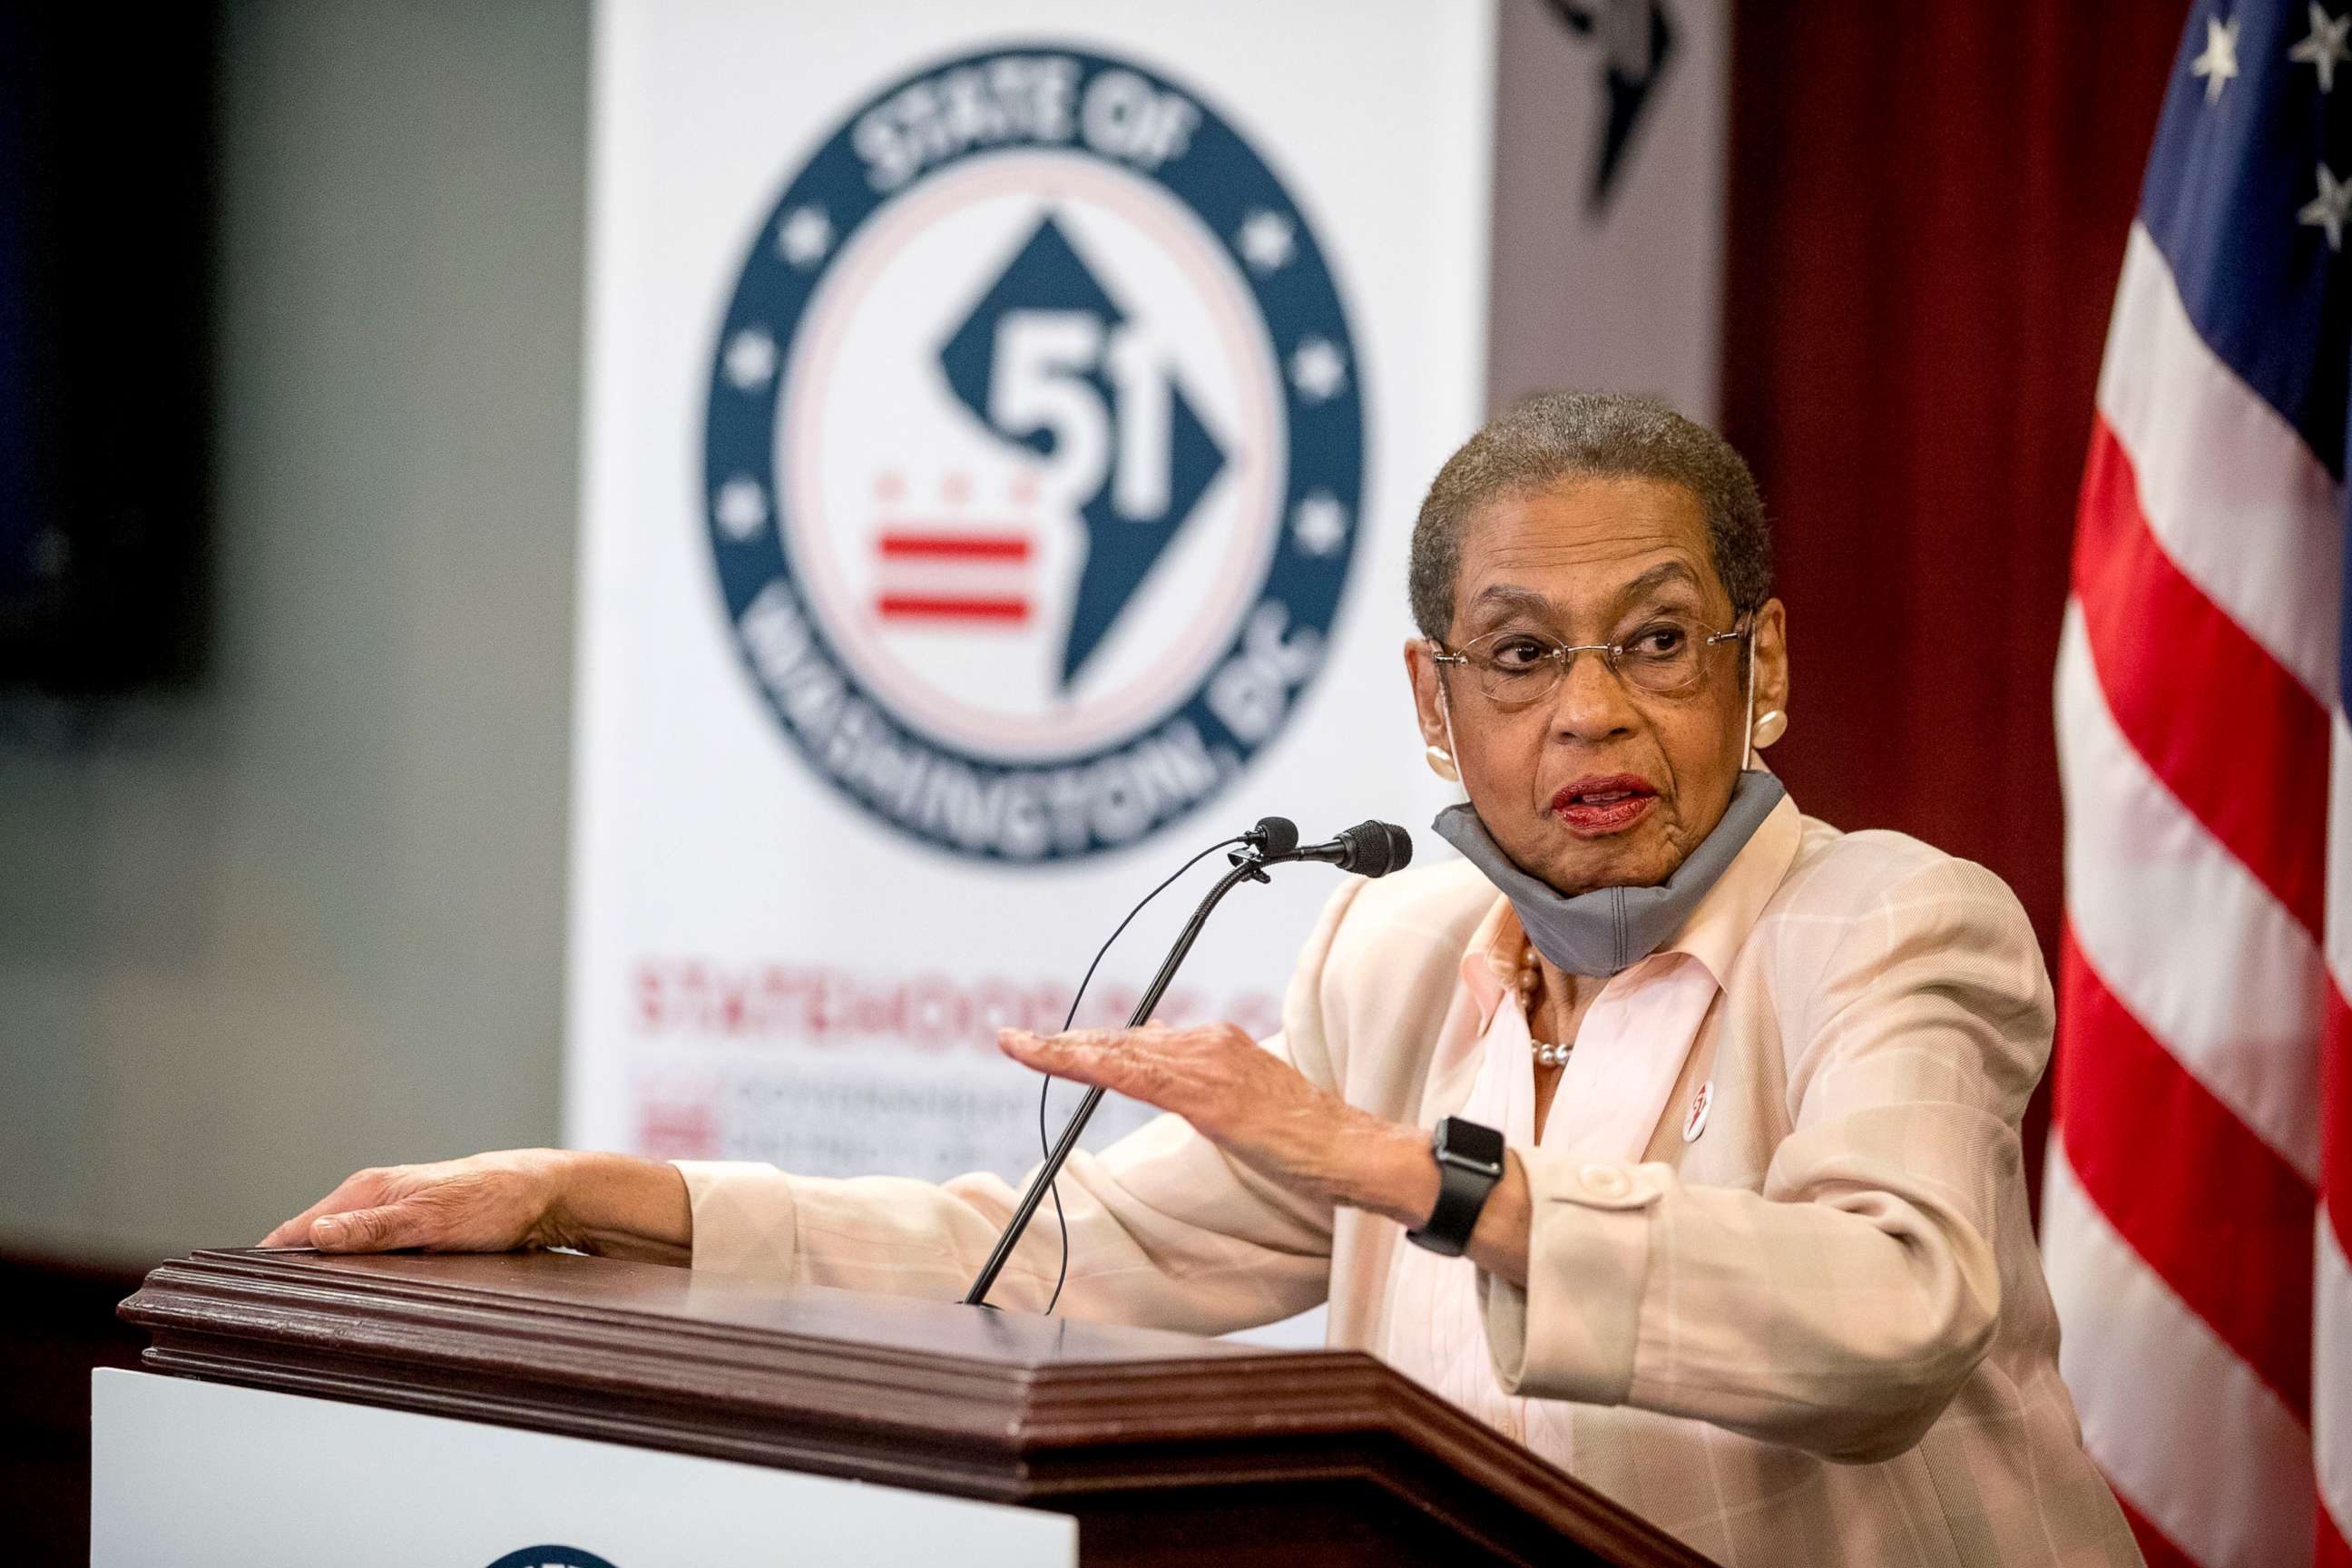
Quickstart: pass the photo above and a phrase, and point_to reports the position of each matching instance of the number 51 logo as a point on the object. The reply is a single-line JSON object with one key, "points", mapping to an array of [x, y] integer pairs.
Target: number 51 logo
{"points": [[1035, 454], [1049, 362]]}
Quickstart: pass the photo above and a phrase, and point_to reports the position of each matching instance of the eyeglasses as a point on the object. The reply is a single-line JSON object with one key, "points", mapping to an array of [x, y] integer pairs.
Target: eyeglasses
{"points": [[1666, 656]]}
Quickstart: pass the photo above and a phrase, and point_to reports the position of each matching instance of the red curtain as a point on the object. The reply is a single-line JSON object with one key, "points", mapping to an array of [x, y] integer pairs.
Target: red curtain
{"points": [[1927, 210]]}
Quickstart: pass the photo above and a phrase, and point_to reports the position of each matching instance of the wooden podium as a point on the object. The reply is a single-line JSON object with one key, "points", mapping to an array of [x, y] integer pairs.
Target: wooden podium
{"points": [[1165, 1449]]}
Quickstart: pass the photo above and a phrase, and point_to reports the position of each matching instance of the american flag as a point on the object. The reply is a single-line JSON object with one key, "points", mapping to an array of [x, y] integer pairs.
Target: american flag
{"points": [[2198, 1203]]}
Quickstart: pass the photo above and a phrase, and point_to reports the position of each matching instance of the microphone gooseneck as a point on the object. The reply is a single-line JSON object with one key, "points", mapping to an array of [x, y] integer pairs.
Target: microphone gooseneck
{"points": [[1369, 848]]}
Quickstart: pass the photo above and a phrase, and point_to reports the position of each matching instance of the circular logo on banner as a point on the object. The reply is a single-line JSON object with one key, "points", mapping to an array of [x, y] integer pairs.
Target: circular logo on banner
{"points": [[1035, 452], [551, 1557]]}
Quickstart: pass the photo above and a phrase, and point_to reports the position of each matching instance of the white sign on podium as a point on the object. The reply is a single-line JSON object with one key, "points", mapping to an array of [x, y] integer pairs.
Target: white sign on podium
{"points": [[201, 1475]]}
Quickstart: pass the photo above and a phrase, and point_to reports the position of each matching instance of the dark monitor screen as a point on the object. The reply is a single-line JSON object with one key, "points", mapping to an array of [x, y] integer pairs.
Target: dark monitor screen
{"points": [[106, 217], [17, 523]]}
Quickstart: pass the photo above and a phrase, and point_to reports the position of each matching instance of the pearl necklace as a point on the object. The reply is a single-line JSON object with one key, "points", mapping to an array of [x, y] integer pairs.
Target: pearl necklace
{"points": [[1530, 976]]}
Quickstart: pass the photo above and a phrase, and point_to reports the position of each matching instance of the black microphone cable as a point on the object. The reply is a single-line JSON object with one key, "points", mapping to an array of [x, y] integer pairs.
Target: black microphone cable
{"points": [[1044, 1143]]}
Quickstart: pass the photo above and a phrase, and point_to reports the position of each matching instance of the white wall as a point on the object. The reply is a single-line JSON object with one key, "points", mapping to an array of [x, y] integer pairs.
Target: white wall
{"points": [[310, 917]]}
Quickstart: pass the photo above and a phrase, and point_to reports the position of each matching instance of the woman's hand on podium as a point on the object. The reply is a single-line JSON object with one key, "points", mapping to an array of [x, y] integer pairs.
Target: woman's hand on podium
{"points": [[613, 1204]]}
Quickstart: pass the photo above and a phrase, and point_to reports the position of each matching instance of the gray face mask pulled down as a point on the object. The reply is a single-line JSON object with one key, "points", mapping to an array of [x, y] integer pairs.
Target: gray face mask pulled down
{"points": [[1609, 930]]}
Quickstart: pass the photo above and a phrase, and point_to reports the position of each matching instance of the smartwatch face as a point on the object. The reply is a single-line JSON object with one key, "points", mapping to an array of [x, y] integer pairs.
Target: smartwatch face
{"points": [[1470, 1143]]}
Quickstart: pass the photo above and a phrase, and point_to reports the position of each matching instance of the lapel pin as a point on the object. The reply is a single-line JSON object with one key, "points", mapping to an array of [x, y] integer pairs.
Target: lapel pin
{"points": [[1695, 1122]]}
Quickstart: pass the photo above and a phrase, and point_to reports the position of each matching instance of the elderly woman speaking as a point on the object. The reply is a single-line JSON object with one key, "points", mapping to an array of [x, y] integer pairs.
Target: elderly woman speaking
{"points": [[1724, 1207]]}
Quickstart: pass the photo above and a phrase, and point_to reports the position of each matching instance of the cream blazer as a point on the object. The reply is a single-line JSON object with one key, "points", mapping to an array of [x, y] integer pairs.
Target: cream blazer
{"points": [[1817, 1334]]}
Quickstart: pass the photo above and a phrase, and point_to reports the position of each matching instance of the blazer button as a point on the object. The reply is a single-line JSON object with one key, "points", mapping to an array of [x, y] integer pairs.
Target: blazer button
{"points": [[1605, 1181]]}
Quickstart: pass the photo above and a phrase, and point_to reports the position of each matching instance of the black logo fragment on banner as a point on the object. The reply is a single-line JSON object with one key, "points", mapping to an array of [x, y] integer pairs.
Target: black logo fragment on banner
{"points": [[1637, 42]]}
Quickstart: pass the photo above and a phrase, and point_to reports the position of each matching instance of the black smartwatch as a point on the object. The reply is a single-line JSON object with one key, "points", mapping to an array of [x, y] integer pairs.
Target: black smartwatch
{"points": [[1469, 1163]]}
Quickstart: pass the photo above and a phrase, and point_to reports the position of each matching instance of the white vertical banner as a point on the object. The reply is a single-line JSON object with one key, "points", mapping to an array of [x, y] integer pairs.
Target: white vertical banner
{"points": [[1005, 424], [1611, 146]]}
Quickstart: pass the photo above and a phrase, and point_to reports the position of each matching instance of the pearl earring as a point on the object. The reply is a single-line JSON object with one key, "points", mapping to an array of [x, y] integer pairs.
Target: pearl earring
{"points": [[1771, 725], [1441, 763]]}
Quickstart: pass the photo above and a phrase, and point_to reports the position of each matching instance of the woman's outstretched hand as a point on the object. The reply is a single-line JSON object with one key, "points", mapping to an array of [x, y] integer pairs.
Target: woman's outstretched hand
{"points": [[1258, 1109], [520, 1198], [1264, 1113]]}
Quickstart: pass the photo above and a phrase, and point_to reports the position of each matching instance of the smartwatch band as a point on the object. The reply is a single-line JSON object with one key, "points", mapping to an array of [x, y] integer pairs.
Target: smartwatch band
{"points": [[1469, 1163]]}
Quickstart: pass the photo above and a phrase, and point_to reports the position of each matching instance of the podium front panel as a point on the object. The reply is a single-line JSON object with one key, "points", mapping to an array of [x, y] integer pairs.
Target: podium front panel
{"points": [[203, 1475]]}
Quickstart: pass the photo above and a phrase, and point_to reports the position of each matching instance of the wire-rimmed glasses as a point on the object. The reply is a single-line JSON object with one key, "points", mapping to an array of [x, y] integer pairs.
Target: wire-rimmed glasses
{"points": [[1666, 656]]}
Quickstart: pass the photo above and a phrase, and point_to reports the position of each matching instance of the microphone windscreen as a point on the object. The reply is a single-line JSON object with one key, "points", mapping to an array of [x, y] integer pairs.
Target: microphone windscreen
{"points": [[1377, 848], [1275, 835], [1400, 847]]}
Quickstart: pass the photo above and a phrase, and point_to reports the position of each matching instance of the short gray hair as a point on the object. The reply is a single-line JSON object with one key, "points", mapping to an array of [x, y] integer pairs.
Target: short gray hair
{"points": [[1556, 436]]}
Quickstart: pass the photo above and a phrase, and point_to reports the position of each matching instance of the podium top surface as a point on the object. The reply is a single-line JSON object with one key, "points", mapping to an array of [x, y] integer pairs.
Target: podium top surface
{"points": [[547, 1283], [1050, 1412]]}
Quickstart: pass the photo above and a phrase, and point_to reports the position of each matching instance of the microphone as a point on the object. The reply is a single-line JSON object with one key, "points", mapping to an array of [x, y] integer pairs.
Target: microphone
{"points": [[1369, 849], [1274, 837]]}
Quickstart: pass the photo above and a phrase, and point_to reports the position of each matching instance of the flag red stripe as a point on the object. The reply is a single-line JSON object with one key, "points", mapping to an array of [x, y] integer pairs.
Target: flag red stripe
{"points": [[2229, 732], [2330, 1548], [935, 607], [2212, 1207], [2154, 1544], [955, 546]]}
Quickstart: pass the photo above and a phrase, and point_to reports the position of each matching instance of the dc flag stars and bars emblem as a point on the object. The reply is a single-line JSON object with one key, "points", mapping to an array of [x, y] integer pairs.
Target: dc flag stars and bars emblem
{"points": [[2198, 1208], [1036, 453]]}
